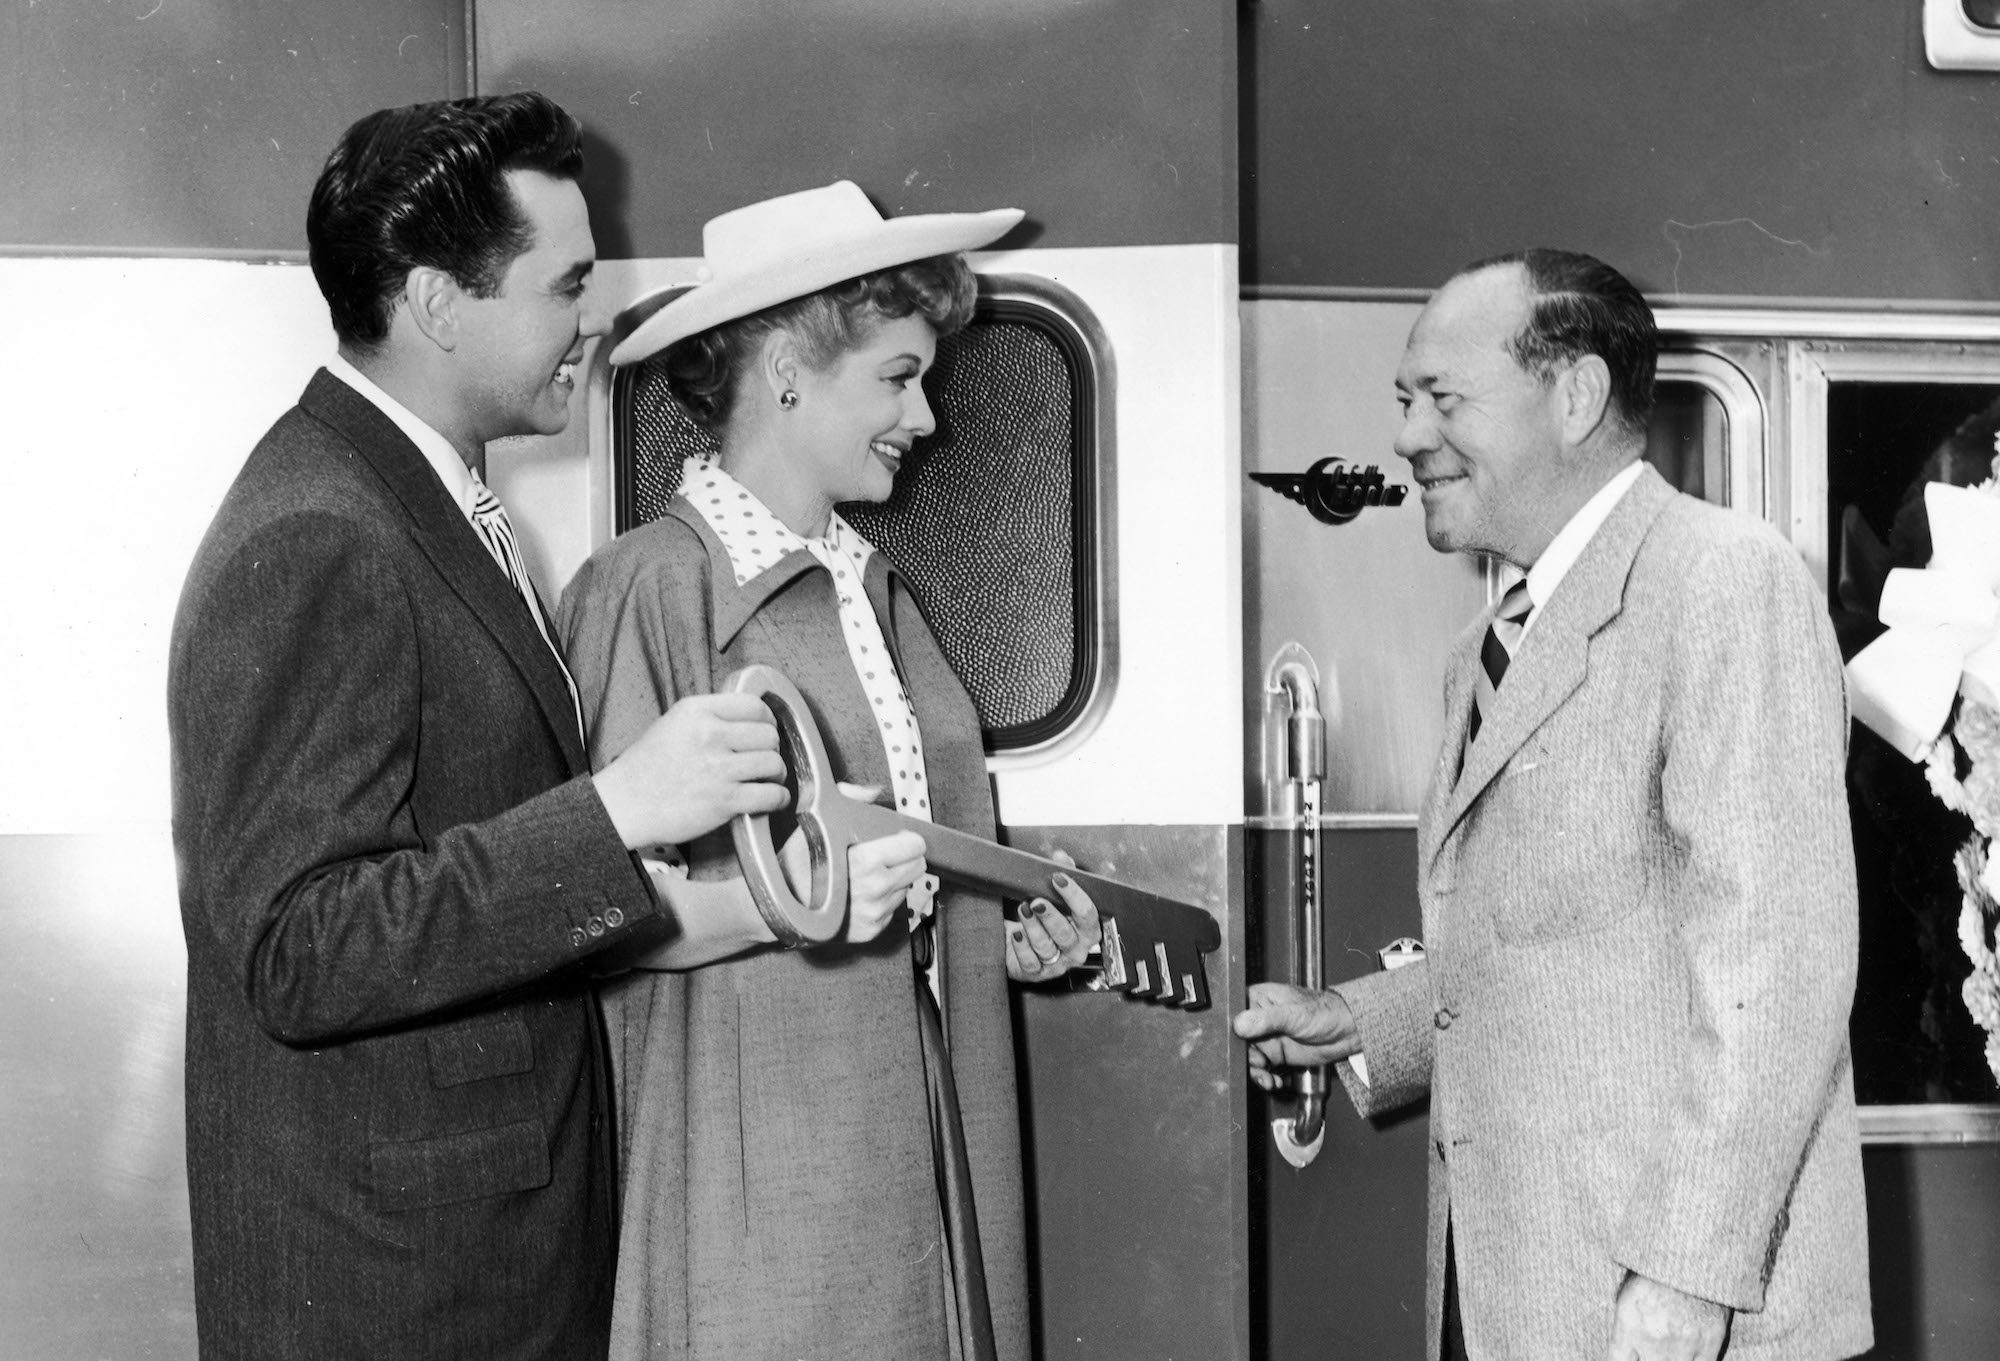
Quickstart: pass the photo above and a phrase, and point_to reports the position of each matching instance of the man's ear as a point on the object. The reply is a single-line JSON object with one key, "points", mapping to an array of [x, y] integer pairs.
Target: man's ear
{"points": [[432, 297], [1583, 394]]}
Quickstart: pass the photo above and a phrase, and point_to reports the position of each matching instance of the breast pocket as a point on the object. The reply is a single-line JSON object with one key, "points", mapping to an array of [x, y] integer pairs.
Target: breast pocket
{"points": [[499, 1047], [1559, 850]]}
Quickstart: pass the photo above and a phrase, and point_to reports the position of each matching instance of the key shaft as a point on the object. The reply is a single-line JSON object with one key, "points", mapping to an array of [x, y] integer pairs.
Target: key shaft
{"points": [[1152, 944]]}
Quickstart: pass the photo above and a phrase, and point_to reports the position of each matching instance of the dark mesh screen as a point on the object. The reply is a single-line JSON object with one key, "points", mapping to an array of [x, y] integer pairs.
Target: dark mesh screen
{"points": [[990, 520]]}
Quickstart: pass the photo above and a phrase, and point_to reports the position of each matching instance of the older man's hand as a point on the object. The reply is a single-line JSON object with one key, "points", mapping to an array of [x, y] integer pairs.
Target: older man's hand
{"points": [[1656, 1322], [1290, 1027]]}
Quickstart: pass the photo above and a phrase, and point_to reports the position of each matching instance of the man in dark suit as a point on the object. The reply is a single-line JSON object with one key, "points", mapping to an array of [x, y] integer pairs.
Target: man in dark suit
{"points": [[392, 857]]}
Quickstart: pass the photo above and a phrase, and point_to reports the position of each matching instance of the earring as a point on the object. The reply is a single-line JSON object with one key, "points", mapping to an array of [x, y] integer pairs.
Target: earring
{"points": [[788, 399]]}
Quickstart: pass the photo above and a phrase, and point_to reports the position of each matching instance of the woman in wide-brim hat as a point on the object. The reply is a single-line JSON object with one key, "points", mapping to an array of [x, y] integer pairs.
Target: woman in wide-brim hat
{"points": [[809, 1169]]}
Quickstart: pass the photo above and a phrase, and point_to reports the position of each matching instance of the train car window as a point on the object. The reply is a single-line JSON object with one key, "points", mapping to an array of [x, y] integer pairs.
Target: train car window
{"points": [[1689, 430], [1707, 432], [1914, 1039], [1833, 423], [996, 517]]}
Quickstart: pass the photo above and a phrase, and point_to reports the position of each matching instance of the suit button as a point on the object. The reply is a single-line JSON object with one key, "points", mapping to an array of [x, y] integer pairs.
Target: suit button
{"points": [[1443, 1018], [595, 926], [576, 936], [615, 918]]}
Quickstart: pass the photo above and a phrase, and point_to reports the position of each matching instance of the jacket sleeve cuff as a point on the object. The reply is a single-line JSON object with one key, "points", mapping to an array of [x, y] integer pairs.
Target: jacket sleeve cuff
{"points": [[1392, 1014]]}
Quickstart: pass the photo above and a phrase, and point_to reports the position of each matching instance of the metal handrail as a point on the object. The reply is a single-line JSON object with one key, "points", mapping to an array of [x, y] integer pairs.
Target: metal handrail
{"points": [[1293, 677]]}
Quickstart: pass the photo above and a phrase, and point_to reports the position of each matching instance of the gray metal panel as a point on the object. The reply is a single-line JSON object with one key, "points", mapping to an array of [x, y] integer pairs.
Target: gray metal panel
{"points": [[1111, 121], [1134, 1116], [197, 126], [94, 1247], [1340, 1241], [1134, 1130], [1933, 1253], [1747, 147]]}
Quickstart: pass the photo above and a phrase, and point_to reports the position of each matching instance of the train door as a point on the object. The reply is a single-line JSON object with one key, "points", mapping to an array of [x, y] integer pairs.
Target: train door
{"points": [[1356, 597]]}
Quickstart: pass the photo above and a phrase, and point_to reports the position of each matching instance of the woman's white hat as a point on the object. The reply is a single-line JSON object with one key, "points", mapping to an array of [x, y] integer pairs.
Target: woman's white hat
{"points": [[787, 247]]}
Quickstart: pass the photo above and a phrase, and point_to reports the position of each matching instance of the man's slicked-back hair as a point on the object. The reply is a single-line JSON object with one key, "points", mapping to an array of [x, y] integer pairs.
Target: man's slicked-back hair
{"points": [[1580, 305], [426, 185]]}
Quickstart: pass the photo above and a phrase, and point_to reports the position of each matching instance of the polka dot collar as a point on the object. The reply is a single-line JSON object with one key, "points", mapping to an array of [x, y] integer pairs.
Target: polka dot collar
{"points": [[755, 540]]}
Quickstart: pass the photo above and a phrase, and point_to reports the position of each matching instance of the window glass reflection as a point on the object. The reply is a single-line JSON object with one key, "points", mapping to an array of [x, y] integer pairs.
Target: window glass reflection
{"points": [[1686, 437]]}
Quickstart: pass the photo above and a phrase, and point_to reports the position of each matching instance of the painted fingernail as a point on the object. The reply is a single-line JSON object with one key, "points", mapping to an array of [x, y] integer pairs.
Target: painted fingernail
{"points": [[1062, 881], [1038, 907]]}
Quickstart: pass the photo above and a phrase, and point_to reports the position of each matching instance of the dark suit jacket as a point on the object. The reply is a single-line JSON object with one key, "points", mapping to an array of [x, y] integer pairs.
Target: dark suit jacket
{"points": [[390, 854]]}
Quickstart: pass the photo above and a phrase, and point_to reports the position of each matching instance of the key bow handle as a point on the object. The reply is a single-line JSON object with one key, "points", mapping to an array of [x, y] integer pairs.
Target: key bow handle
{"points": [[794, 923]]}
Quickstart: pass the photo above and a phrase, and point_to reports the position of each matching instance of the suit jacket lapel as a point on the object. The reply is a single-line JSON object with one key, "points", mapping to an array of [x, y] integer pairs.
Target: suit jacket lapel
{"points": [[1553, 660], [1458, 688], [441, 531]]}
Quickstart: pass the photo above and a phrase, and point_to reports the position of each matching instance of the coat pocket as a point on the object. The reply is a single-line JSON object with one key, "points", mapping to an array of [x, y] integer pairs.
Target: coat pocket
{"points": [[414, 1174]]}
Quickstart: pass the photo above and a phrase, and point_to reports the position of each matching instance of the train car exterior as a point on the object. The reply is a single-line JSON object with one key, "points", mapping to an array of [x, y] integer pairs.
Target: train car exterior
{"points": [[1237, 211]]}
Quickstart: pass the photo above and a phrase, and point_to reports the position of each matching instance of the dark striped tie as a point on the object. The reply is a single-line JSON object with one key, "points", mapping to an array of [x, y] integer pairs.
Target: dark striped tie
{"points": [[489, 520], [1496, 651]]}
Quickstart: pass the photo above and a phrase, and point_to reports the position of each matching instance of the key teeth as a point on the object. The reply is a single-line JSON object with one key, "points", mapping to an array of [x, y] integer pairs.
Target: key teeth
{"points": [[1113, 949], [1146, 970]]}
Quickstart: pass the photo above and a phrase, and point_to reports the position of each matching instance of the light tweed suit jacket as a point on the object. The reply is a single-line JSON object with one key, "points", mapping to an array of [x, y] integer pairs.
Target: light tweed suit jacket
{"points": [[1638, 897]]}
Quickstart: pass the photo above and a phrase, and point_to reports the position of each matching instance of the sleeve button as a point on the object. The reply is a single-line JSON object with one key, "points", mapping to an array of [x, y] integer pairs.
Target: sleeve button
{"points": [[595, 926], [577, 937], [615, 918], [1442, 1019]]}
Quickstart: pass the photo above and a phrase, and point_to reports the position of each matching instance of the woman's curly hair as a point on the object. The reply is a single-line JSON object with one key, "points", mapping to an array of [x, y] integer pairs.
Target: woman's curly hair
{"points": [[704, 371]]}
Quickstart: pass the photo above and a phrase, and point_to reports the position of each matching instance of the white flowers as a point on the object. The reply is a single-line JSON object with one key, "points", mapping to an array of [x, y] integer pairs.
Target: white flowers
{"points": [[1941, 770]]}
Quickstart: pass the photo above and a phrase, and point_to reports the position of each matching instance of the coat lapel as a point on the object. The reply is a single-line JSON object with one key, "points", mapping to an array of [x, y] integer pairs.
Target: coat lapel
{"points": [[1553, 661], [441, 531], [730, 606], [1458, 689]]}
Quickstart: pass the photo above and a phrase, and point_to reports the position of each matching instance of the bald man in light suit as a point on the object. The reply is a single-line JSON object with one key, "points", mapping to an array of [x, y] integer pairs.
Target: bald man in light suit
{"points": [[1635, 872]]}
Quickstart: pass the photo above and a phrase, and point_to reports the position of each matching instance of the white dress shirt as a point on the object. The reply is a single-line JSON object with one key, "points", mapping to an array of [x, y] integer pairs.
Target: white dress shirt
{"points": [[436, 449], [1575, 536]]}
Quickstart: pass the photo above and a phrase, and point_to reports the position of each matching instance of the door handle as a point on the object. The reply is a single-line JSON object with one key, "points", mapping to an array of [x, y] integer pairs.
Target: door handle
{"points": [[1295, 746]]}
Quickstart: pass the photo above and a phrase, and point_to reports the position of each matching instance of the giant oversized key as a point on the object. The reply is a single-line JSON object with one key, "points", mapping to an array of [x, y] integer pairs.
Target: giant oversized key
{"points": [[1152, 945]]}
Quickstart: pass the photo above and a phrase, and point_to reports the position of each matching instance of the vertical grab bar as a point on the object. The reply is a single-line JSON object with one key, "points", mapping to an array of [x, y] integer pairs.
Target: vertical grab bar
{"points": [[1300, 754]]}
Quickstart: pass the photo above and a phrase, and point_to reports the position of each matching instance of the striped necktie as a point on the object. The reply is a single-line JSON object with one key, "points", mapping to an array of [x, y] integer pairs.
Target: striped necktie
{"points": [[489, 521], [1496, 651]]}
